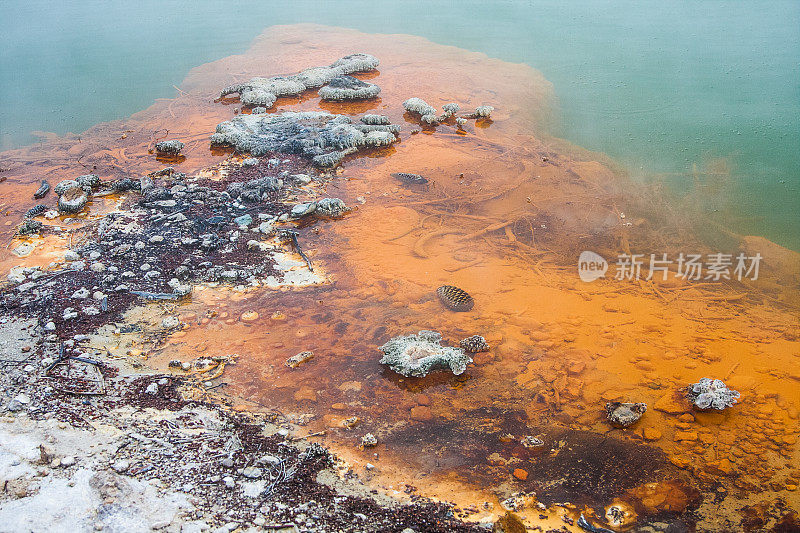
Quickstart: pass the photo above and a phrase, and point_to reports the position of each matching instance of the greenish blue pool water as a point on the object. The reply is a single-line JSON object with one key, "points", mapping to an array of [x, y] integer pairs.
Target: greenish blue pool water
{"points": [[657, 86]]}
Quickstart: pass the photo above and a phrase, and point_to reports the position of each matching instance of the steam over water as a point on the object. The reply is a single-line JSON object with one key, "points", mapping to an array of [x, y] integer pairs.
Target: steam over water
{"points": [[660, 88]]}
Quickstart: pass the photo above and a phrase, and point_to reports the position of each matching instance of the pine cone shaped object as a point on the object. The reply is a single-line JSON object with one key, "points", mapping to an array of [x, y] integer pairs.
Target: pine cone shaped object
{"points": [[454, 298]]}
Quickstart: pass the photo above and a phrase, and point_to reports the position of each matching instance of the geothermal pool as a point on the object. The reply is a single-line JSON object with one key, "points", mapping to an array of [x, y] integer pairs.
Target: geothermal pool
{"points": [[507, 211]]}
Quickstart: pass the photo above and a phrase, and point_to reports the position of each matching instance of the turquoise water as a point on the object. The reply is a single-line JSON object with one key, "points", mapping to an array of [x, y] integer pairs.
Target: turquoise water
{"points": [[657, 86]]}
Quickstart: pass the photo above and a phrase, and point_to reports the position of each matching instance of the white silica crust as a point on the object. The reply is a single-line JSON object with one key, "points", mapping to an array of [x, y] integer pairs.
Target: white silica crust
{"points": [[417, 355], [263, 92]]}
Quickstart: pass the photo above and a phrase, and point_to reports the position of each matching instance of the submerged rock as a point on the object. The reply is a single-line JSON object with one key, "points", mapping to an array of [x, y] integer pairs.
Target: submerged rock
{"points": [[474, 344], [169, 147], [331, 207], [326, 138], [624, 414], [405, 177], [343, 88], [42, 190], [418, 355], [712, 394], [296, 360]]}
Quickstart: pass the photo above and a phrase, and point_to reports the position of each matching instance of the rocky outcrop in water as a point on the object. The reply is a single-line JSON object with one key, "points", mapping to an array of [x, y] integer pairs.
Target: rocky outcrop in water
{"points": [[172, 147], [417, 355], [325, 137], [624, 415], [264, 92], [427, 113], [419, 106], [342, 88]]}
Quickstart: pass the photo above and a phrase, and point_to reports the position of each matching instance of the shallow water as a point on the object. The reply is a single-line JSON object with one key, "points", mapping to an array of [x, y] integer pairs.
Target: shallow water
{"points": [[658, 87], [505, 215]]}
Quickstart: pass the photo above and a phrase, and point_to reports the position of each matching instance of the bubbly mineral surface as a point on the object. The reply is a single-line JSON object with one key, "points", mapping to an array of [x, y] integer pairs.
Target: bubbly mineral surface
{"points": [[325, 137], [418, 355], [712, 394], [348, 88], [264, 92]]}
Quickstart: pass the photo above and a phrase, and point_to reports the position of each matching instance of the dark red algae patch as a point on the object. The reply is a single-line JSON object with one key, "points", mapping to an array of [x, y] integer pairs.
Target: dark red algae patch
{"points": [[301, 489], [167, 397], [570, 466], [174, 231]]}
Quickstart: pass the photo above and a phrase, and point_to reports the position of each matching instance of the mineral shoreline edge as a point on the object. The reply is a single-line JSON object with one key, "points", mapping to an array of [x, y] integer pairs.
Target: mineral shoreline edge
{"points": [[345, 282]]}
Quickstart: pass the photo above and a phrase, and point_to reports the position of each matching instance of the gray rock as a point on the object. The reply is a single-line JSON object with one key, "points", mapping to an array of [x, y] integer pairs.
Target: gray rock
{"points": [[169, 147], [252, 472], [81, 293], [419, 106], [266, 228], [64, 185], [331, 207], [88, 182], [301, 210], [296, 360], [712, 394], [19, 402], [624, 414], [170, 322], [244, 220], [263, 92], [343, 88], [325, 137], [375, 119]]}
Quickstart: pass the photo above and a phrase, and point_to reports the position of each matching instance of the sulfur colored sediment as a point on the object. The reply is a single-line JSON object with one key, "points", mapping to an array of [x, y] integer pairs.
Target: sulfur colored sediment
{"points": [[504, 216]]}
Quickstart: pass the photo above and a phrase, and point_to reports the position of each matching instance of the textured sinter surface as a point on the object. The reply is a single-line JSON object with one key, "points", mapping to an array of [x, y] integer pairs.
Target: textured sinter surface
{"points": [[325, 137], [417, 355]]}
